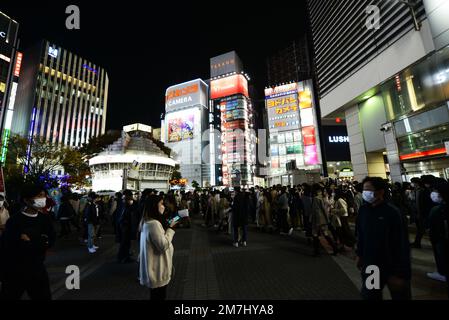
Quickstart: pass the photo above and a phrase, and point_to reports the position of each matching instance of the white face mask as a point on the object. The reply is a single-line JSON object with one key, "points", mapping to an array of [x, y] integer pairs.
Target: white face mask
{"points": [[368, 196], [435, 196], [40, 203]]}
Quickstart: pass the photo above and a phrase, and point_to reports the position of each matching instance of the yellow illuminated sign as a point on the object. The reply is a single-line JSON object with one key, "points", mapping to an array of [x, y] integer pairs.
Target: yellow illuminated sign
{"points": [[281, 102]]}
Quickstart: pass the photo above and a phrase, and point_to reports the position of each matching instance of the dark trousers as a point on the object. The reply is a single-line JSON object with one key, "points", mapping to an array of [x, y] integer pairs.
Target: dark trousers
{"points": [[65, 228], [35, 283], [158, 294], [403, 293], [346, 232], [307, 226], [420, 230], [124, 250], [440, 252], [283, 220], [236, 233]]}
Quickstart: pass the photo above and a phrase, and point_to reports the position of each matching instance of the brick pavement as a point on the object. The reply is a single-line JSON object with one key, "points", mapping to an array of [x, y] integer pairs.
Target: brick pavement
{"points": [[208, 267]]}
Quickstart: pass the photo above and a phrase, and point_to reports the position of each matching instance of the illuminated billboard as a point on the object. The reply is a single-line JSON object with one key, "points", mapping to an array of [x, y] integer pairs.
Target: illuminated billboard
{"points": [[278, 91], [181, 128], [283, 113], [236, 84], [186, 94]]}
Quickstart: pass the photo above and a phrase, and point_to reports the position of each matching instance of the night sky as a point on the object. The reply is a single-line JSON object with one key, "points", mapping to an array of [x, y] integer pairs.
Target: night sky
{"points": [[145, 50]]}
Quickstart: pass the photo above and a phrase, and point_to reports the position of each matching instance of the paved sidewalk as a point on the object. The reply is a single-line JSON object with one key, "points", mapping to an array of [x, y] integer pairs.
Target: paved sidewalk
{"points": [[208, 267]]}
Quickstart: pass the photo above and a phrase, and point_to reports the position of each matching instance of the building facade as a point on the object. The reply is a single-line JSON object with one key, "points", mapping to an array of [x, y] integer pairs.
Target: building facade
{"points": [[62, 97], [10, 65], [389, 81], [133, 162], [231, 120], [185, 129], [293, 131]]}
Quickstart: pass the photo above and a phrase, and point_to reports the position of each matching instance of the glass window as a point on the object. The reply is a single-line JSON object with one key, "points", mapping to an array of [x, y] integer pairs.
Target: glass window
{"points": [[422, 121], [426, 140]]}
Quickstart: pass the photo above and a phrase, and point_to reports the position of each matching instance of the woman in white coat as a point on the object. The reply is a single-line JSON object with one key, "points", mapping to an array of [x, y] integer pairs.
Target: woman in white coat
{"points": [[156, 249]]}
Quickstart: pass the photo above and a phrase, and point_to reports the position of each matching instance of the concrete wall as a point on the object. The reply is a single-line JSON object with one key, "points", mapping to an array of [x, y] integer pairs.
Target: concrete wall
{"points": [[372, 117], [438, 15], [409, 49]]}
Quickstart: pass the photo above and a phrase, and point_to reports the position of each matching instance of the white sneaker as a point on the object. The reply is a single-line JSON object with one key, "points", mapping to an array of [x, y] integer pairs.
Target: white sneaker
{"points": [[92, 250], [290, 232], [96, 248], [436, 276], [244, 243], [236, 244]]}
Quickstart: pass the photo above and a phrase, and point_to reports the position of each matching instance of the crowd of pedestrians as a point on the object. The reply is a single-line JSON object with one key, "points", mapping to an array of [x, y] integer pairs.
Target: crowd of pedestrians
{"points": [[370, 219]]}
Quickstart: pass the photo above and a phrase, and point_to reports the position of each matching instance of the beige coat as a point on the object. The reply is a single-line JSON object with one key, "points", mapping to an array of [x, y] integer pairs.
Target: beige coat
{"points": [[156, 255]]}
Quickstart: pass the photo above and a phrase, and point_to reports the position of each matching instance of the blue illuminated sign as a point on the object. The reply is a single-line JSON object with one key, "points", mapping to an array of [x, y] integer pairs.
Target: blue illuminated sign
{"points": [[85, 66]]}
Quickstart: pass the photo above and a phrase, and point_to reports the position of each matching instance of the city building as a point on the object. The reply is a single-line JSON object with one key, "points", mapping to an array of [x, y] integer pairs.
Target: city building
{"points": [[133, 162], [10, 65], [185, 127], [232, 135], [389, 81], [61, 97], [291, 63], [293, 132]]}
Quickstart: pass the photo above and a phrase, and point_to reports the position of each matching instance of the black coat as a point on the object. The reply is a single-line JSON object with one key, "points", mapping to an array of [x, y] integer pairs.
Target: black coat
{"points": [[240, 210], [128, 222], [66, 211], [92, 214]]}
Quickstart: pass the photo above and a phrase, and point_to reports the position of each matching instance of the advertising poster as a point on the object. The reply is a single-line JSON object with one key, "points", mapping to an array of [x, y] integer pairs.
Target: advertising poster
{"points": [[180, 128]]}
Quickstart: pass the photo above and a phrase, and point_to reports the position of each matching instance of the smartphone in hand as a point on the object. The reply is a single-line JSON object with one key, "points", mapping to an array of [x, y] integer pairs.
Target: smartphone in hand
{"points": [[175, 219]]}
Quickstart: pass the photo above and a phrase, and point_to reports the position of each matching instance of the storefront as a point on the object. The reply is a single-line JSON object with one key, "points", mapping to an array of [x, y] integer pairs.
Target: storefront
{"points": [[417, 110]]}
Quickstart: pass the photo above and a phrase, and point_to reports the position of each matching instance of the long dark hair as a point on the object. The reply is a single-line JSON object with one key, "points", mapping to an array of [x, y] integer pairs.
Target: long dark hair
{"points": [[151, 209]]}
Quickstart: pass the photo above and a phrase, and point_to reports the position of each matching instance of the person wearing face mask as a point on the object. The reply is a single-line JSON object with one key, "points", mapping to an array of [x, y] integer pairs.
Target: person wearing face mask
{"points": [[156, 249], [382, 241], [439, 230], [126, 218], [25, 241]]}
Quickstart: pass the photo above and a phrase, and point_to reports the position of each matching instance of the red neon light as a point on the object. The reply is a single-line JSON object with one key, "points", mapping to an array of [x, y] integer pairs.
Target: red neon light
{"points": [[18, 64], [423, 154], [338, 120]]}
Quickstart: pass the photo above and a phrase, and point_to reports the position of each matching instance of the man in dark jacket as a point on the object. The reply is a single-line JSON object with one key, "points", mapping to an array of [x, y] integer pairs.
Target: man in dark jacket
{"points": [[425, 205], [25, 241], [92, 220], [126, 218], [240, 215], [382, 244]]}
